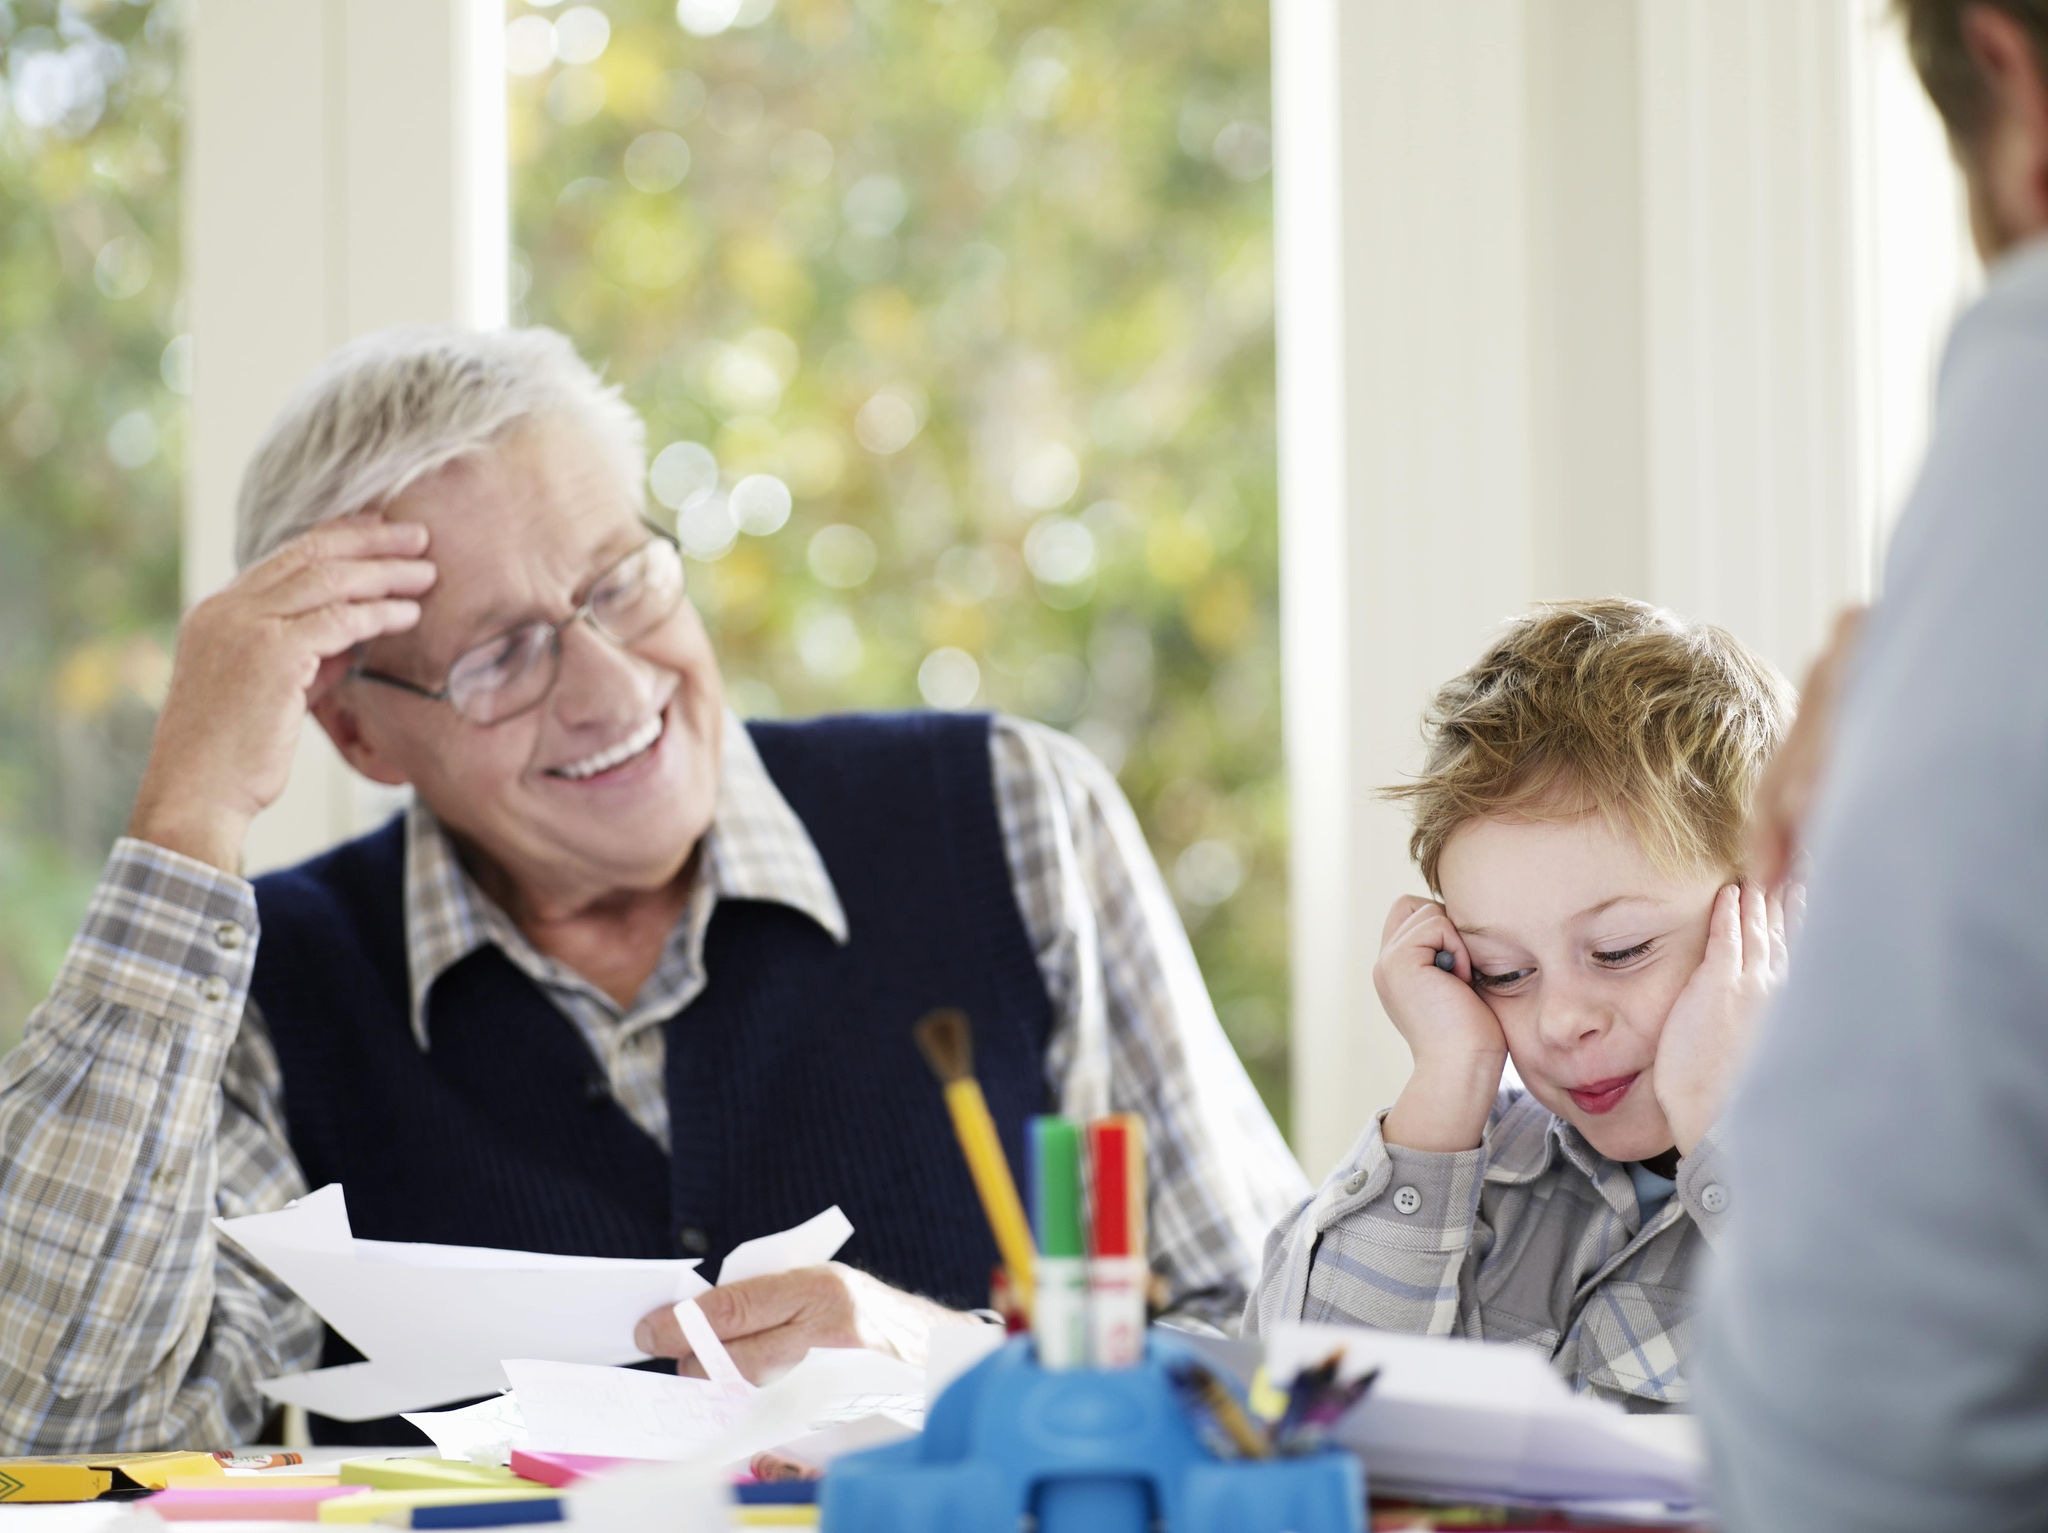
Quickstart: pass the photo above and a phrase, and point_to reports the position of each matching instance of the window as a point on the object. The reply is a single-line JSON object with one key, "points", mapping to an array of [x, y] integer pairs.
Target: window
{"points": [[92, 374], [952, 325]]}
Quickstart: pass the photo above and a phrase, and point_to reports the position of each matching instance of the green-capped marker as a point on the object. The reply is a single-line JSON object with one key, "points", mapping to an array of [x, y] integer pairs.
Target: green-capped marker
{"points": [[1059, 1312]]}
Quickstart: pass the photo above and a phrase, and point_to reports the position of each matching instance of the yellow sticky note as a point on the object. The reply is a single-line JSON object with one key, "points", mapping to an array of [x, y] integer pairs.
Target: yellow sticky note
{"points": [[155, 1469], [427, 1474], [380, 1505]]}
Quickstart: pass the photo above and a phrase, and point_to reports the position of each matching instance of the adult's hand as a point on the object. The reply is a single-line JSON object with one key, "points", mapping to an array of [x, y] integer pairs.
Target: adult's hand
{"points": [[251, 659], [1459, 1047], [769, 1323], [1706, 1036], [1785, 795]]}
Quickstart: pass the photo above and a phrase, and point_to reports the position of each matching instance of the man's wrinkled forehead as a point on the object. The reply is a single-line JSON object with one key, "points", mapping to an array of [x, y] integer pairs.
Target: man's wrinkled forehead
{"points": [[518, 532]]}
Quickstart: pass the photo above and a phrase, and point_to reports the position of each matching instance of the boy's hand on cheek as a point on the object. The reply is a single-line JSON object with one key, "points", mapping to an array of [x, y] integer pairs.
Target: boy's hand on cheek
{"points": [[1458, 1046], [1707, 1034]]}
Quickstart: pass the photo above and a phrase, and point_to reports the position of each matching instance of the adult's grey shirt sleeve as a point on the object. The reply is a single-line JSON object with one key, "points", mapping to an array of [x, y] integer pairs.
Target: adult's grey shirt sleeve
{"points": [[1877, 1350]]}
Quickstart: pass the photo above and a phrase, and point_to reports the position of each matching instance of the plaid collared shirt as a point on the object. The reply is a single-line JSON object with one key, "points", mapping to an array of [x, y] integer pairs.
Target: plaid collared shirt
{"points": [[1534, 1237], [145, 1097]]}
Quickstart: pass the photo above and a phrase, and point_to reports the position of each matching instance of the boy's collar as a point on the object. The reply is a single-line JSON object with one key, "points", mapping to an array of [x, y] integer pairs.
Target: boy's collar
{"points": [[1527, 1139]]}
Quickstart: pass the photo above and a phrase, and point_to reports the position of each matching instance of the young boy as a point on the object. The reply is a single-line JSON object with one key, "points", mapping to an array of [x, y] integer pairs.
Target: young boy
{"points": [[1580, 820]]}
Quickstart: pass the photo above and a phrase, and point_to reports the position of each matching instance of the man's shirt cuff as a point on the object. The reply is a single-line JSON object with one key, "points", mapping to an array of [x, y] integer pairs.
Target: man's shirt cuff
{"points": [[166, 935]]}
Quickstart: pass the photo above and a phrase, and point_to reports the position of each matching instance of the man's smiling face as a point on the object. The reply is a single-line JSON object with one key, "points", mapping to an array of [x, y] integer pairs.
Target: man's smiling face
{"points": [[1580, 945], [608, 784]]}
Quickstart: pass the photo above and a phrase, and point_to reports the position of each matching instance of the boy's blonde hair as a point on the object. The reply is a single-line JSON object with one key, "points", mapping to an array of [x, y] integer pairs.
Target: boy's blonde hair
{"points": [[1617, 706]]}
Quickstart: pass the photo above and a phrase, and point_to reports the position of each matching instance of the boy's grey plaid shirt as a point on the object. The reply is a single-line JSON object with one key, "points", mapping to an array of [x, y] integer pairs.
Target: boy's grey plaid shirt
{"points": [[145, 1098], [1533, 1237]]}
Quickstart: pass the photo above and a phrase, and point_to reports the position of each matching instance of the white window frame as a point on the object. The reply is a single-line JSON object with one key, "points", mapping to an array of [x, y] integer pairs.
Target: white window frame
{"points": [[345, 170]]}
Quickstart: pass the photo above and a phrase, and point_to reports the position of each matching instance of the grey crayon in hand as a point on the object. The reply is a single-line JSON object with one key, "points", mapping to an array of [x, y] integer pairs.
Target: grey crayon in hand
{"points": [[1447, 960]]}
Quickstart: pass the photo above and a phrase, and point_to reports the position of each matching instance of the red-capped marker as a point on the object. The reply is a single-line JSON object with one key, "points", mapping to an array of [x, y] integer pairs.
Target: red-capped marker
{"points": [[1116, 1247]]}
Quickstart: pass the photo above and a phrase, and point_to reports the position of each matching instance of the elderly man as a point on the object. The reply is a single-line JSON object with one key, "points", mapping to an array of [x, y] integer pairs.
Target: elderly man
{"points": [[628, 979]]}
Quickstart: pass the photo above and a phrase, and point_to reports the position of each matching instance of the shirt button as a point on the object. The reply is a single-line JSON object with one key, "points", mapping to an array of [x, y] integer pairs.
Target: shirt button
{"points": [[1354, 1181], [692, 1241], [230, 935], [214, 988], [1406, 1200], [1714, 1197]]}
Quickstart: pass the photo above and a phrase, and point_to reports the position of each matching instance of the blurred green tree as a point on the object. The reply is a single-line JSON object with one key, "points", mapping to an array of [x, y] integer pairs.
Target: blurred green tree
{"points": [[952, 324], [93, 371]]}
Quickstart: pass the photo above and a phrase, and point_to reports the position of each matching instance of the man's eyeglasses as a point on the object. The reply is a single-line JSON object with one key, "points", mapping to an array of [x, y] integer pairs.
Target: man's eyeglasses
{"points": [[512, 673]]}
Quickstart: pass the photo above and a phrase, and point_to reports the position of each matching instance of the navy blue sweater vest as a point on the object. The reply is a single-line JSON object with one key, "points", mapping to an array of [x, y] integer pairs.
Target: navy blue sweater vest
{"points": [[793, 1081]]}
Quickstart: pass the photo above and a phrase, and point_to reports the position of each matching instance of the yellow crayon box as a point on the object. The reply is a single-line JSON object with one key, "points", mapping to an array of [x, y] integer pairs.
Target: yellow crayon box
{"points": [[88, 1476]]}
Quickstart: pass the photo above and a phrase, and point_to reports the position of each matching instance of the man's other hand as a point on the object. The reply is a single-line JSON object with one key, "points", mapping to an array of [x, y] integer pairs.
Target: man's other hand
{"points": [[769, 1323], [1785, 796], [252, 659]]}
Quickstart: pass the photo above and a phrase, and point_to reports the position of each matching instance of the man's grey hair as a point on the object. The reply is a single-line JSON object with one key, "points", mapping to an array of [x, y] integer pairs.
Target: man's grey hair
{"points": [[391, 407]]}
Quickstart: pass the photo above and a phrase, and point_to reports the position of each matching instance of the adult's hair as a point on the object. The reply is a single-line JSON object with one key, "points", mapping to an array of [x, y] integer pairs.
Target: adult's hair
{"points": [[1612, 707], [1934, 36], [391, 407]]}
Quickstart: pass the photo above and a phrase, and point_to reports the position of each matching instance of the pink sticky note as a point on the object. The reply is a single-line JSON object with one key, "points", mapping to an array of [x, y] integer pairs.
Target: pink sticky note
{"points": [[246, 1502], [564, 1469]]}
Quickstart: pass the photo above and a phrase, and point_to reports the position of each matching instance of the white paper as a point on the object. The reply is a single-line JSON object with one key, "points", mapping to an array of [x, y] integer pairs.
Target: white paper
{"points": [[666, 1498], [483, 1433], [1489, 1420], [432, 1320], [705, 1345], [953, 1349], [835, 1400], [621, 1412], [810, 1244], [366, 1391]]}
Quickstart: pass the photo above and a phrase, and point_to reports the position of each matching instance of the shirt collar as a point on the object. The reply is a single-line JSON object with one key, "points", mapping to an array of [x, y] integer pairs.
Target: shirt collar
{"points": [[756, 849], [1523, 1141], [1527, 1139]]}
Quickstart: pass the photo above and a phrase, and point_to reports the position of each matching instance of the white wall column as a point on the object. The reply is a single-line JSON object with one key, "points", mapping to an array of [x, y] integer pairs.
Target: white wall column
{"points": [[345, 170], [1748, 170], [1916, 265], [1405, 475]]}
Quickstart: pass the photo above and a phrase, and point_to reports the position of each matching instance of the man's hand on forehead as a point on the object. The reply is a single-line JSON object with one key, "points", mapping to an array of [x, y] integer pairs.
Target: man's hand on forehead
{"points": [[252, 659]]}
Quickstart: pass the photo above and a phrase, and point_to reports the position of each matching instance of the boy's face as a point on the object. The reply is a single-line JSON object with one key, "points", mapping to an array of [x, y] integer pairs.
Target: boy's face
{"points": [[1579, 945]]}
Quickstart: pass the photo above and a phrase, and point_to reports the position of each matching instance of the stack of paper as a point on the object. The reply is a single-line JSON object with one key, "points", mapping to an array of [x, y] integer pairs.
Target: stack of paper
{"points": [[1491, 1421], [433, 1321]]}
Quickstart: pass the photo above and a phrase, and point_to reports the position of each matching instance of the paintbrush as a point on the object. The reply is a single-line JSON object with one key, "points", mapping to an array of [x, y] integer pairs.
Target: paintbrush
{"points": [[1317, 1400], [1223, 1425], [947, 1043]]}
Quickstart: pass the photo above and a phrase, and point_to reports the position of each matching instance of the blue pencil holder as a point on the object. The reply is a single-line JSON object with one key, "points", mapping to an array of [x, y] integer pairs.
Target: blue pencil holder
{"points": [[1081, 1451]]}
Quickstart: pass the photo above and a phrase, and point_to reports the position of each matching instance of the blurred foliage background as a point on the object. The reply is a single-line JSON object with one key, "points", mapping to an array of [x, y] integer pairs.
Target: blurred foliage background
{"points": [[92, 378], [951, 321], [952, 324]]}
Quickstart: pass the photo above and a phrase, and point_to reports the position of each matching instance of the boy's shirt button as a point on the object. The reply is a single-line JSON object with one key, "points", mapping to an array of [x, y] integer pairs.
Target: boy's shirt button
{"points": [[1714, 1198], [1355, 1181], [1406, 1200]]}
